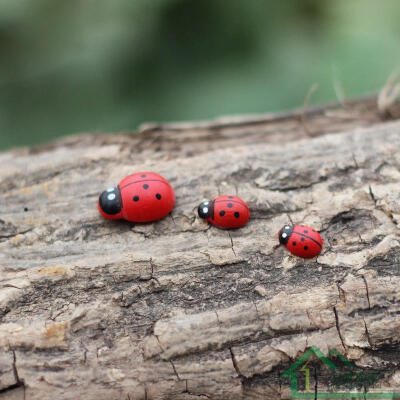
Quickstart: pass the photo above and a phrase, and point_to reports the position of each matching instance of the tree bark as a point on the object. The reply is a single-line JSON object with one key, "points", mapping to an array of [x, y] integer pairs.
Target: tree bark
{"points": [[178, 309]]}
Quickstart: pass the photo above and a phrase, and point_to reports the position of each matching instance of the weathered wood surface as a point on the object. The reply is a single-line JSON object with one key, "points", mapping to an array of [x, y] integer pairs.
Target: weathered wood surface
{"points": [[176, 309]]}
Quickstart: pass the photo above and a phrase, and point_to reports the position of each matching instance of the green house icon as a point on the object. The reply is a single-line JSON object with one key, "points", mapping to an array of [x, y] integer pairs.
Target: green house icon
{"points": [[300, 366]]}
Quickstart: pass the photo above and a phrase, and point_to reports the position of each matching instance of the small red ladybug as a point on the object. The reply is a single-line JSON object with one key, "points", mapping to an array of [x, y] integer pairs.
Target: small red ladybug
{"points": [[141, 197], [225, 211], [301, 240]]}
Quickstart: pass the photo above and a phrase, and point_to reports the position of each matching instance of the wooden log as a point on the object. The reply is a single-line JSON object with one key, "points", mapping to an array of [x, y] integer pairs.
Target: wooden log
{"points": [[178, 309]]}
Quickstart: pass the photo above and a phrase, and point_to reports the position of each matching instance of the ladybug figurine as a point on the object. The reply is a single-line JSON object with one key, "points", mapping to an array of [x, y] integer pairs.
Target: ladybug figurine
{"points": [[301, 240], [225, 212], [141, 197]]}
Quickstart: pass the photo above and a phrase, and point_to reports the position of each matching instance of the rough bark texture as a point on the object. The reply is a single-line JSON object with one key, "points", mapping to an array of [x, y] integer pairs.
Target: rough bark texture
{"points": [[177, 309]]}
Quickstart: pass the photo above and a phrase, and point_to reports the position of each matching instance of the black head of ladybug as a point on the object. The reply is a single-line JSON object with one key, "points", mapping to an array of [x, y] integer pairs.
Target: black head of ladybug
{"points": [[284, 234], [205, 209], [110, 201]]}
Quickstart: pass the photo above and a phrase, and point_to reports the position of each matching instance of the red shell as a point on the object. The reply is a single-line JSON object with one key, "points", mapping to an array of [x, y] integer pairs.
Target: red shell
{"points": [[304, 242], [146, 197], [229, 212]]}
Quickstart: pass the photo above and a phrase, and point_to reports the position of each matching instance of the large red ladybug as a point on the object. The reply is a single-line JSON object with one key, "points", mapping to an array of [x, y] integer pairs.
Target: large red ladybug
{"points": [[225, 211], [141, 197], [301, 240]]}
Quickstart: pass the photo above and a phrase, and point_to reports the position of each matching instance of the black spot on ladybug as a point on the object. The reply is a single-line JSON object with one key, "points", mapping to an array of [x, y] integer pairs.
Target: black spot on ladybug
{"points": [[305, 247], [230, 205], [302, 239], [26, 209], [237, 215], [135, 198], [158, 195], [143, 176], [305, 231], [230, 197], [145, 186], [294, 243], [222, 213]]}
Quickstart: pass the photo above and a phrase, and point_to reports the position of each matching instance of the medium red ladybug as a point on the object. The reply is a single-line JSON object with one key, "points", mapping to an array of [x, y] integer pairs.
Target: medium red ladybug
{"points": [[301, 240], [225, 212], [141, 197]]}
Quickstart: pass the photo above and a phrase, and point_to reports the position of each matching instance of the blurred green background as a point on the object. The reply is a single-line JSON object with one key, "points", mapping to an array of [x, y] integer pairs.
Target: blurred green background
{"points": [[108, 65]]}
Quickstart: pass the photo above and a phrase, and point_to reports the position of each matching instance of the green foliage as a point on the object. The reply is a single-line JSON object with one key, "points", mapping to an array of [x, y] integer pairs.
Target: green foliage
{"points": [[85, 65]]}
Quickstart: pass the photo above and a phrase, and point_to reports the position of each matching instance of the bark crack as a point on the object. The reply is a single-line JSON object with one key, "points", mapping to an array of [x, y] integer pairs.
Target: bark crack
{"points": [[233, 250], [159, 343], [367, 334], [15, 234], [176, 373], [367, 291], [152, 268], [371, 193], [18, 382], [342, 293], [234, 362], [338, 327]]}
